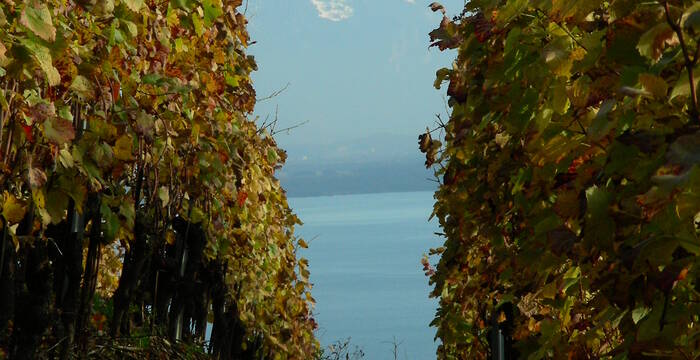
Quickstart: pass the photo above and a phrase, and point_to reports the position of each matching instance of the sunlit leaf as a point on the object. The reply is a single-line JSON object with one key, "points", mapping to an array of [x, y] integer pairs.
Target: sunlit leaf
{"points": [[123, 148], [13, 210], [58, 130], [43, 57], [37, 18]]}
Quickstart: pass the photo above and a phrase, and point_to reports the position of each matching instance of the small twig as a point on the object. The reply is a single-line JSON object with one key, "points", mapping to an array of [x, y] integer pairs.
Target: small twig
{"points": [[274, 93], [291, 127], [155, 94], [56, 344], [565, 30], [56, 245], [689, 63]]}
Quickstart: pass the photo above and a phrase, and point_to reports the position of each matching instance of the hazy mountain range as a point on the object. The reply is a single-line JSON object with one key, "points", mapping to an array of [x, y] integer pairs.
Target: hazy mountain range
{"points": [[380, 163]]}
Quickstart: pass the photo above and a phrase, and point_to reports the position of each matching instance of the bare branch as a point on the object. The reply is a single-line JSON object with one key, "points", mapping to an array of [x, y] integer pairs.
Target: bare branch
{"points": [[689, 63], [291, 127], [274, 94]]}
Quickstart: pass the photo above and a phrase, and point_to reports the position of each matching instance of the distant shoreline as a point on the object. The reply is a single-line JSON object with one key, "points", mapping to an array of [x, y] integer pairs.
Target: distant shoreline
{"points": [[361, 193]]}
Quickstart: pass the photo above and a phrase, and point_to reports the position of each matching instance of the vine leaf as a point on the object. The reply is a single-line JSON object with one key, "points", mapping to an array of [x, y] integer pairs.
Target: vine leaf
{"points": [[37, 177], [58, 130], [13, 210], [134, 5], [37, 18], [83, 87], [654, 41], [655, 85], [436, 6], [682, 86], [42, 54], [123, 148], [164, 195]]}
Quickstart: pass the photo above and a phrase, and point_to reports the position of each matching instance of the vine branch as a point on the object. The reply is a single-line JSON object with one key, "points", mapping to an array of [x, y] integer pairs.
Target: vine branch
{"points": [[689, 63]]}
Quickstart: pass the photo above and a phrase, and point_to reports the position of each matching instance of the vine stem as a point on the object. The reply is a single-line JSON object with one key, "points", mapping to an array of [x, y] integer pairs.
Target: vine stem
{"points": [[689, 63]]}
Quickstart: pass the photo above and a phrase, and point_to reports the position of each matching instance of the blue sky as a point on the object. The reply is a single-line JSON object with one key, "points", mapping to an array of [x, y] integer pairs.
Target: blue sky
{"points": [[359, 71]]}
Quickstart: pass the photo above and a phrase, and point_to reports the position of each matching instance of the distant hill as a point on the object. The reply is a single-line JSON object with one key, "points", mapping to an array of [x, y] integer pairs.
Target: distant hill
{"points": [[302, 179]]}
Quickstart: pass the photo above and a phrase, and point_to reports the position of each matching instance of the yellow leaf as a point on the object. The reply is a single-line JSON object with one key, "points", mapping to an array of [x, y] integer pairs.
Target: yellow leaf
{"points": [[578, 54], [219, 56], [655, 85], [303, 244], [170, 237], [501, 317], [123, 148], [164, 195], [13, 210]]}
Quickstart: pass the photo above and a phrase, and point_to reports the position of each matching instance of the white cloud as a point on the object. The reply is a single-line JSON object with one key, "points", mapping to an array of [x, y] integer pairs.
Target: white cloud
{"points": [[333, 10], [410, 1]]}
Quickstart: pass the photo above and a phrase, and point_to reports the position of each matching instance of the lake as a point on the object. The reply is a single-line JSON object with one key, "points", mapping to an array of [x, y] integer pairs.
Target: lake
{"points": [[364, 255]]}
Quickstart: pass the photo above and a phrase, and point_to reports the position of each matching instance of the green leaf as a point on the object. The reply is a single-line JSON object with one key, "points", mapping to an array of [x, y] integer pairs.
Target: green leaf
{"points": [[231, 80], [131, 28], [685, 150], [560, 100], [111, 223], [599, 226], [440, 76], [133, 5], [164, 195], [602, 123], [655, 85], [682, 86], [13, 210], [182, 4], [3, 18], [691, 19], [56, 205], [115, 35], [197, 215], [123, 148], [511, 10], [104, 8], [43, 56], [37, 18], [639, 313], [211, 11], [127, 210], [271, 156], [152, 79], [58, 130], [65, 158], [652, 43], [198, 25], [690, 243], [65, 112], [649, 325], [83, 87]]}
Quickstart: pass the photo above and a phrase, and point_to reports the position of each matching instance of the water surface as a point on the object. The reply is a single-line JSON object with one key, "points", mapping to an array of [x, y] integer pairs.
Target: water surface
{"points": [[364, 257]]}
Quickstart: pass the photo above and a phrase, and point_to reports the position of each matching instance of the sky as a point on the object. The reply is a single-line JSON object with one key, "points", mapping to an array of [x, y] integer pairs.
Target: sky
{"points": [[359, 75]]}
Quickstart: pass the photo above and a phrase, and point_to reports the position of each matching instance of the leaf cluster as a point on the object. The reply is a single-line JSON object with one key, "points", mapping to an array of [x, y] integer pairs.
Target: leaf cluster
{"points": [[137, 111], [570, 179]]}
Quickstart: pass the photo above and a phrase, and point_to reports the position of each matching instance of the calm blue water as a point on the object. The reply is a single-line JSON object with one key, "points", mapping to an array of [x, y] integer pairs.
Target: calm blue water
{"points": [[364, 254]]}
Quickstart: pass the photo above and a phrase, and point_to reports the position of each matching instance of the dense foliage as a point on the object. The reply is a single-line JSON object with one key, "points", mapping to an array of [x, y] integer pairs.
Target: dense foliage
{"points": [[570, 192], [137, 198]]}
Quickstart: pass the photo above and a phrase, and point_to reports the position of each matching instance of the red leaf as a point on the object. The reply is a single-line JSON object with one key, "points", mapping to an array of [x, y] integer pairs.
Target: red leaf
{"points": [[242, 196], [28, 132]]}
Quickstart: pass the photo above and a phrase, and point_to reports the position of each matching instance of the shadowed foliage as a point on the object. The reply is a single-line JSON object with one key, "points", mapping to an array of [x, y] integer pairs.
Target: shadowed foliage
{"points": [[138, 200], [570, 179]]}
